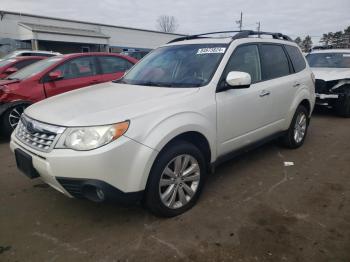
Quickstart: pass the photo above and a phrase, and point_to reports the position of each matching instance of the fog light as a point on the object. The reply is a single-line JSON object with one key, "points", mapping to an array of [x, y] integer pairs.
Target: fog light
{"points": [[100, 194]]}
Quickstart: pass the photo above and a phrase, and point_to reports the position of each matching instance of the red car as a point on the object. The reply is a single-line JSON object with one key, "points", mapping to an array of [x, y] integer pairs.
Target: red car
{"points": [[12, 65], [53, 76]]}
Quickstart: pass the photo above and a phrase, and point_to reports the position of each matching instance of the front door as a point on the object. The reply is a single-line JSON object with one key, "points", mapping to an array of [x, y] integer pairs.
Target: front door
{"points": [[76, 73], [242, 113]]}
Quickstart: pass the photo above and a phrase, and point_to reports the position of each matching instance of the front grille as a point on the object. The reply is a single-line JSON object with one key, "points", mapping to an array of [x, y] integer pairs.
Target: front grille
{"points": [[37, 135], [323, 87]]}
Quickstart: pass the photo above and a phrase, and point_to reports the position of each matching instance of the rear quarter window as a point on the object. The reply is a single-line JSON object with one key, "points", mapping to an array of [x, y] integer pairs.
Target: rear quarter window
{"points": [[296, 57]]}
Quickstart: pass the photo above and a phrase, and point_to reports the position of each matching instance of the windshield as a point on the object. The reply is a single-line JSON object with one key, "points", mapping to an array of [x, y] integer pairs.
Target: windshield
{"points": [[331, 60], [177, 66], [6, 62], [35, 68]]}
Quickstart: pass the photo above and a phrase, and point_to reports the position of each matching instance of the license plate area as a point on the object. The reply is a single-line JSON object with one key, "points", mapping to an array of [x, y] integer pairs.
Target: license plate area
{"points": [[25, 164]]}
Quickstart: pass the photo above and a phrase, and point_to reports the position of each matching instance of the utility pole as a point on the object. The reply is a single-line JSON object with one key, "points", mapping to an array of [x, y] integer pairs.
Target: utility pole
{"points": [[258, 29], [240, 22]]}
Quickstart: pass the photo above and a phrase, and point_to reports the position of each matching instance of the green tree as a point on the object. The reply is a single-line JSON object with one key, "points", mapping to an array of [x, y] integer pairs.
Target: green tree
{"points": [[306, 44], [298, 41]]}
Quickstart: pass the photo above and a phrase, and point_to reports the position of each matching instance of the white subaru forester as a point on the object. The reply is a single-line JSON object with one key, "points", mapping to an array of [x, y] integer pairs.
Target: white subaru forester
{"points": [[156, 133]]}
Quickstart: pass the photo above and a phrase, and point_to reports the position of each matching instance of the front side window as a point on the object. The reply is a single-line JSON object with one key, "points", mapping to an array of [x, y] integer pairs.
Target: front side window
{"points": [[245, 59], [296, 57], [78, 67], [113, 64], [274, 62], [35, 68], [330, 60], [191, 65]]}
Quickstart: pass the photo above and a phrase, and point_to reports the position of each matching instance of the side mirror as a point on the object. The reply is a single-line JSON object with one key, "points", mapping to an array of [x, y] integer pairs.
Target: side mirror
{"points": [[237, 79], [55, 75], [11, 70]]}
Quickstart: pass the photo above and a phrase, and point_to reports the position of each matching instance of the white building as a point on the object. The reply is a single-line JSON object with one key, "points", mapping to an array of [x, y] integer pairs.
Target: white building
{"points": [[26, 31]]}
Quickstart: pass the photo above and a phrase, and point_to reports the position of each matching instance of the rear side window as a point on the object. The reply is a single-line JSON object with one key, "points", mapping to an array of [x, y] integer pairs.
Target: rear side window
{"points": [[78, 67], [112, 64], [274, 62], [297, 58], [24, 63], [245, 59]]}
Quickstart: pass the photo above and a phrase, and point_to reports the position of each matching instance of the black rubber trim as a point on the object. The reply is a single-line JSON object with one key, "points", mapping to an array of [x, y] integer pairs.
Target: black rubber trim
{"points": [[74, 186]]}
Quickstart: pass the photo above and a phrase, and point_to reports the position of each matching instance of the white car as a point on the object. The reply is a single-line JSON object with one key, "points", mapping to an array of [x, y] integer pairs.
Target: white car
{"points": [[332, 72], [29, 53], [179, 112]]}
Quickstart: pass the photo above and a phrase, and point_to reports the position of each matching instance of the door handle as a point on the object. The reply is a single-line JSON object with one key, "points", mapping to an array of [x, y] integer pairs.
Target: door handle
{"points": [[296, 84], [264, 93]]}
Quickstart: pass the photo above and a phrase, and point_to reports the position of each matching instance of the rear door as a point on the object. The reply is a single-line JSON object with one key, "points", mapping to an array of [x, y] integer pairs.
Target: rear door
{"points": [[113, 67], [76, 73], [276, 72]]}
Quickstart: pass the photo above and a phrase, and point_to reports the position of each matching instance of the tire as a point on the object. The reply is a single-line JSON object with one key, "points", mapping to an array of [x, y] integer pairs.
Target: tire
{"points": [[299, 124], [342, 107], [174, 196], [10, 118]]}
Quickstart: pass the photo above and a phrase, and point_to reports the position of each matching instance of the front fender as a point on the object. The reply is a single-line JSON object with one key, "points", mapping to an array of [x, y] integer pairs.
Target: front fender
{"points": [[161, 132]]}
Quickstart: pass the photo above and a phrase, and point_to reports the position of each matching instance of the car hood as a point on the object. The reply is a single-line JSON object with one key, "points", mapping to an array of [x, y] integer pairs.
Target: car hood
{"points": [[329, 74], [105, 103]]}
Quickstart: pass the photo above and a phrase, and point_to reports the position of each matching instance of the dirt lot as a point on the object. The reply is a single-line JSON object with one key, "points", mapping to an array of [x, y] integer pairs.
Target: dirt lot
{"points": [[252, 209]]}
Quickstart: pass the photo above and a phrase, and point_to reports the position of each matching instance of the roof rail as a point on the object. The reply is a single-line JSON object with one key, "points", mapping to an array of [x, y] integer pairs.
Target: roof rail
{"points": [[240, 34]]}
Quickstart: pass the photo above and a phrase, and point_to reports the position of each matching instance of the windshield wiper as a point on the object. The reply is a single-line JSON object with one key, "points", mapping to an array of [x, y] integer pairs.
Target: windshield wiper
{"points": [[154, 84], [11, 78]]}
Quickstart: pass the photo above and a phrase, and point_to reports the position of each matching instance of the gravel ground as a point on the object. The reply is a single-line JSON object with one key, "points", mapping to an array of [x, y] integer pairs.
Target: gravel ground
{"points": [[252, 209]]}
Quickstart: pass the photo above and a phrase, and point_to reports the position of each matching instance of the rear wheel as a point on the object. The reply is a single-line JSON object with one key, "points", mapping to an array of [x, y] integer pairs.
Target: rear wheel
{"points": [[10, 119], [295, 135], [176, 180]]}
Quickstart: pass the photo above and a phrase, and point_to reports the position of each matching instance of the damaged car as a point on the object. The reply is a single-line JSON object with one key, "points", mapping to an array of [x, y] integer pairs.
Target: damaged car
{"points": [[332, 72]]}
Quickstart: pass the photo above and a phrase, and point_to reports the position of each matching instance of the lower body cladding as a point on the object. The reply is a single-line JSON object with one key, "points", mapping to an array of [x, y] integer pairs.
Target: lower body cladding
{"points": [[117, 171]]}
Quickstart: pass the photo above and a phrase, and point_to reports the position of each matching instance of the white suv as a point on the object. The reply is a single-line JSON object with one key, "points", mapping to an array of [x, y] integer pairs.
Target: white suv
{"points": [[183, 109]]}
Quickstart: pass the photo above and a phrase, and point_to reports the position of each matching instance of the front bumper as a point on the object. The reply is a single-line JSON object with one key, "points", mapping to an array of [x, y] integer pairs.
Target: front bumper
{"points": [[122, 167]]}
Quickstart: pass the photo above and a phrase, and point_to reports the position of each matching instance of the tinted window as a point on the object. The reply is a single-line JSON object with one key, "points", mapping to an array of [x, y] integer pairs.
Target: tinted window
{"points": [[42, 54], [25, 63], [274, 62], [330, 60], [78, 67], [297, 58], [177, 66], [245, 59], [112, 64]]}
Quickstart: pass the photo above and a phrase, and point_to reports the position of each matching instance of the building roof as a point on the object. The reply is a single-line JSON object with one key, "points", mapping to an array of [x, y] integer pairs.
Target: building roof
{"points": [[62, 30], [3, 12]]}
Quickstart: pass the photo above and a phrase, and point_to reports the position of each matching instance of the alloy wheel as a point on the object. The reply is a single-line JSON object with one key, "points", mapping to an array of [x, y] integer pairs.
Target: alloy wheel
{"points": [[179, 181], [15, 115], [300, 127]]}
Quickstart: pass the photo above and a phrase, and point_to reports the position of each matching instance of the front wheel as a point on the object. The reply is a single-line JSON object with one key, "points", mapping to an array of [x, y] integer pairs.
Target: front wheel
{"points": [[176, 180], [10, 119], [295, 135]]}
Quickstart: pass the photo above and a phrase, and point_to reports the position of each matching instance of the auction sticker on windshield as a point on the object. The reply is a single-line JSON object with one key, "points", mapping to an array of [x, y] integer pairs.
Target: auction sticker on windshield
{"points": [[211, 50]]}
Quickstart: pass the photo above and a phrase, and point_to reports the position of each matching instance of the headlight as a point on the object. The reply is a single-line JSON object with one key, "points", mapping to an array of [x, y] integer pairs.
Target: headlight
{"points": [[87, 138]]}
